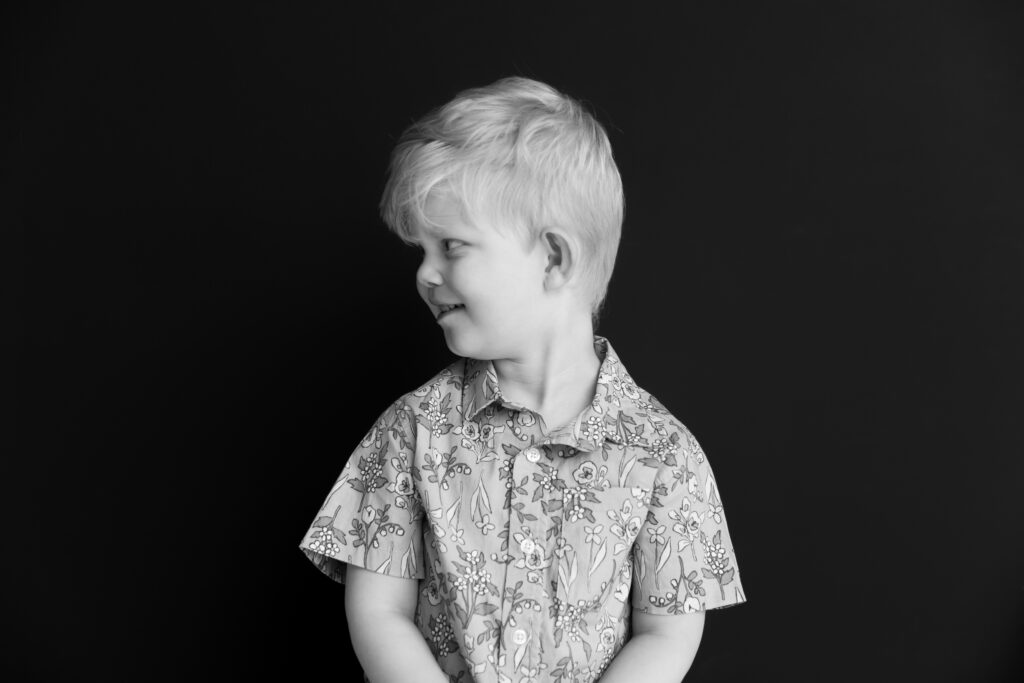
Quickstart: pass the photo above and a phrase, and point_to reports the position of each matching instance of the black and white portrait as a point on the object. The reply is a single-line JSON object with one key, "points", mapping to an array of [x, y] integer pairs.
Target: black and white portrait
{"points": [[514, 342]]}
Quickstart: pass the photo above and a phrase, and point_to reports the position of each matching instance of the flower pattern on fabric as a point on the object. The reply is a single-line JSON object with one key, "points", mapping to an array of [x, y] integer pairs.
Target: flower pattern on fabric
{"points": [[531, 548]]}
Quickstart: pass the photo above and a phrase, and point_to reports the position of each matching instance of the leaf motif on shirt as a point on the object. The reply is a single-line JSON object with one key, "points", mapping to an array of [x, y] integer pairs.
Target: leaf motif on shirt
{"points": [[602, 550], [710, 489], [568, 580], [480, 502], [453, 510], [383, 568], [518, 658], [459, 611], [625, 467], [408, 563], [664, 556]]}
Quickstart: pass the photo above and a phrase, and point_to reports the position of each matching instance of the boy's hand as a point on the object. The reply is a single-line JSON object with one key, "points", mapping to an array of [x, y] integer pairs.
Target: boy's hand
{"points": [[661, 650], [380, 611]]}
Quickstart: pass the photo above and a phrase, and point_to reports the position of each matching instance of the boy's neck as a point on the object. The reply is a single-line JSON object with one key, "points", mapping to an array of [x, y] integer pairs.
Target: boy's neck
{"points": [[556, 377]]}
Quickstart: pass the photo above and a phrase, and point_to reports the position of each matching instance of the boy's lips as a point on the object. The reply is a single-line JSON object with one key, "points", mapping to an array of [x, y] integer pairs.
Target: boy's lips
{"points": [[449, 309]]}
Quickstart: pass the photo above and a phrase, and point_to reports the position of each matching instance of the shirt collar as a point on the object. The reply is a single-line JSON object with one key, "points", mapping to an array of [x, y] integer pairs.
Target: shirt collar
{"points": [[600, 421]]}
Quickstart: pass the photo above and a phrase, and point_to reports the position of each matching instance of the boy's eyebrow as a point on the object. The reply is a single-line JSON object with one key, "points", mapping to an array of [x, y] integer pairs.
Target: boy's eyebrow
{"points": [[435, 231], [414, 237]]}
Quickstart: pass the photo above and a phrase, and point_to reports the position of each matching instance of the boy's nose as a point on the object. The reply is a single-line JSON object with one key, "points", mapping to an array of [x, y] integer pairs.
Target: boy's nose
{"points": [[427, 275]]}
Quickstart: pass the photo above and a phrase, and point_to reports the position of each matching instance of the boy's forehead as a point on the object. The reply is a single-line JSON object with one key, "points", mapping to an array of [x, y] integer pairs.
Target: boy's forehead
{"points": [[419, 230], [441, 214]]}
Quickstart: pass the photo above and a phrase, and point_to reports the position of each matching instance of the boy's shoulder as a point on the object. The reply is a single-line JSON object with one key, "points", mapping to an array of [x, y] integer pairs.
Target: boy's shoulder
{"points": [[443, 390], [658, 431]]}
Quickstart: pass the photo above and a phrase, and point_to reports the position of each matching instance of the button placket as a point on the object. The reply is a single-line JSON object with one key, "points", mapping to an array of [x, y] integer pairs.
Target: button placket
{"points": [[530, 560], [533, 536]]}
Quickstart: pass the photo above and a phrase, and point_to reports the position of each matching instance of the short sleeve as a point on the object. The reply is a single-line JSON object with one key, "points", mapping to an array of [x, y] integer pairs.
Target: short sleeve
{"points": [[372, 516], [683, 559]]}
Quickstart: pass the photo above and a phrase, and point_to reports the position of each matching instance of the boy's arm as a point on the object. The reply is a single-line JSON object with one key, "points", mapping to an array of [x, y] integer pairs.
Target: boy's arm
{"points": [[380, 611], [661, 650]]}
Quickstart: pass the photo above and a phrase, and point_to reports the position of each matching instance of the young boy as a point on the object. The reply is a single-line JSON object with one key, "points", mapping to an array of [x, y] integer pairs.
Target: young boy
{"points": [[529, 513]]}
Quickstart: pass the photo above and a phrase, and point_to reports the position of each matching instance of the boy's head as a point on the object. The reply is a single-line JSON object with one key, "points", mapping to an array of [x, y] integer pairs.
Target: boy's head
{"points": [[512, 164]]}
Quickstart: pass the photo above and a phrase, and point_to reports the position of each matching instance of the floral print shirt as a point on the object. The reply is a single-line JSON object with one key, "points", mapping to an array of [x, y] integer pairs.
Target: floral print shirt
{"points": [[531, 549]]}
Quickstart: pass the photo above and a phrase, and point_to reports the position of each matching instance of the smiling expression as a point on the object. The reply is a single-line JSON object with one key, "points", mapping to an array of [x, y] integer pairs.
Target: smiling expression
{"points": [[494, 283]]}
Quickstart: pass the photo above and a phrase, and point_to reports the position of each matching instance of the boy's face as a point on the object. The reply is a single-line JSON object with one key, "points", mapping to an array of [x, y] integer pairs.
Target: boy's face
{"points": [[497, 282]]}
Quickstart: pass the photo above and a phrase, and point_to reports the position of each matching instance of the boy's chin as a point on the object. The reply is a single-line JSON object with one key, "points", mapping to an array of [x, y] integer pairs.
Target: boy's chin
{"points": [[457, 345], [466, 345]]}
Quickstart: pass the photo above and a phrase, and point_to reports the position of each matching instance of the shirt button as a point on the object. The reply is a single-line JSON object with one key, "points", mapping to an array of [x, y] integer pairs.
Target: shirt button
{"points": [[527, 546], [533, 454], [519, 637]]}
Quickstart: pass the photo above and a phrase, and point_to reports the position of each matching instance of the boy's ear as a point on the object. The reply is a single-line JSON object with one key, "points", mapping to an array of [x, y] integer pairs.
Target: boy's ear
{"points": [[561, 257]]}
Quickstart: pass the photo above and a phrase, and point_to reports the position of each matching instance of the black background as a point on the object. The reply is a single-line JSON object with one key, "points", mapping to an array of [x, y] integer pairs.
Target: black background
{"points": [[820, 274]]}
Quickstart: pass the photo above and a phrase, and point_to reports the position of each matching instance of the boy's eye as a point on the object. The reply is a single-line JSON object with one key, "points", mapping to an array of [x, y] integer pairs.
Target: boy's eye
{"points": [[447, 245]]}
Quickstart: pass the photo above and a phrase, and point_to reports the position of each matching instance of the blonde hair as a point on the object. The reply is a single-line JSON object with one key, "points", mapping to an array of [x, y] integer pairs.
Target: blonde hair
{"points": [[523, 154]]}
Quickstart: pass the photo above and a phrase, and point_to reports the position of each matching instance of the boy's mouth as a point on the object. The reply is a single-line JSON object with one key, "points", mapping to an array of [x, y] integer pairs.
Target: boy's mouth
{"points": [[447, 309]]}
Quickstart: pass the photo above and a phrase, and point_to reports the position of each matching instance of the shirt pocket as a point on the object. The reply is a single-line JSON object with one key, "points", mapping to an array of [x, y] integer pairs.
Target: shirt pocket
{"points": [[596, 566]]}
